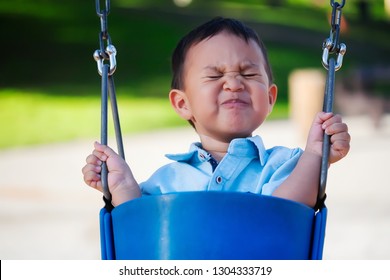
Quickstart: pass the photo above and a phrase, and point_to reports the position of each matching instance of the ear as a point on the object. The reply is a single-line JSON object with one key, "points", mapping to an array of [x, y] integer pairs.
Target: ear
{"points": [[272, 96], [180, 103]]}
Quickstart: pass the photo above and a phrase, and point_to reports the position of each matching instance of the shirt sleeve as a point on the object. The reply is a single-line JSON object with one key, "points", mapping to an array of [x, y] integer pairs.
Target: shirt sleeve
{"points": [[280, 164]]}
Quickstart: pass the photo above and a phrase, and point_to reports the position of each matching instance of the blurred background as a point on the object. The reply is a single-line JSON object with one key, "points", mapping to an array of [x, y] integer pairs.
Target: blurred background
{"points": [[50, 107]]}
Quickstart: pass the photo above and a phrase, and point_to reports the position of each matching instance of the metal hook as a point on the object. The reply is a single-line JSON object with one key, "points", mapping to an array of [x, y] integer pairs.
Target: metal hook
{"points": [[325, 55], [111, 51]]}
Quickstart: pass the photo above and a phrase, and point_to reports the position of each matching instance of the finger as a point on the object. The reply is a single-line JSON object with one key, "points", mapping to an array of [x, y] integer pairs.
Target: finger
{"points": [[96, 185], [93, 159], [321, 117], [341, 146], [333, 119], [92, 179], [105, 150], [91, 167], [336, 128], [99, 155], [339, 150], [91, 176], [341, 136]]}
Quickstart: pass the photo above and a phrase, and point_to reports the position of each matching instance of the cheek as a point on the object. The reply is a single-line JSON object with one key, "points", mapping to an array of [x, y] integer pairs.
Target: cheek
{"points": [[260, 96], [262, 105], [203, 92]]}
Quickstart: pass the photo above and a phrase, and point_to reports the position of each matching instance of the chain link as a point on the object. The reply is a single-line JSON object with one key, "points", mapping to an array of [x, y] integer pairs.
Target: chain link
{"points": [[332, 3], [99, 12], [331, 45], [107, 50]]}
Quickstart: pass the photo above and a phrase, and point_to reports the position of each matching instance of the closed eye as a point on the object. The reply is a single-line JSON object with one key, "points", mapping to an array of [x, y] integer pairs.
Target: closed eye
{"points": [[250, 75], [215, 77]]}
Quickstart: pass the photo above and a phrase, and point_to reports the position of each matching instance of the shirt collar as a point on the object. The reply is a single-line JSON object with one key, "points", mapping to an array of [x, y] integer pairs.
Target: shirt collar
{"points": [[243, 147], [195, 155]]}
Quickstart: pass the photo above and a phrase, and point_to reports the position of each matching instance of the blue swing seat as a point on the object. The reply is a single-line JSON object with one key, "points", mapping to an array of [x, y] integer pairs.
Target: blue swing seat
{"points": [[212, 226]]}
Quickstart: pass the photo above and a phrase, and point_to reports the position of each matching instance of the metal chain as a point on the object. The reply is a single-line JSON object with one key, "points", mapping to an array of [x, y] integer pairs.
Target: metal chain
{"points": [[330, 46], [107, 50]]}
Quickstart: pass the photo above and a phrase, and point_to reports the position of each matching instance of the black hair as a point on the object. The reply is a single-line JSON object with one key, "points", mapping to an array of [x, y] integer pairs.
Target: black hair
{"points": [[207, 30]]}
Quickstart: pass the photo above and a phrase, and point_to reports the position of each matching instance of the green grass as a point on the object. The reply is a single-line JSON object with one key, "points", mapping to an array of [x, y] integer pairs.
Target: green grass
{"points": [[31, 117], [35, 117]]}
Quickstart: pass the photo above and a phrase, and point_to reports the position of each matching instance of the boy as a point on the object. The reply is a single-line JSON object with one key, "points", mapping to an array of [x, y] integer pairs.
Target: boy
{"points": [[222, 84]]}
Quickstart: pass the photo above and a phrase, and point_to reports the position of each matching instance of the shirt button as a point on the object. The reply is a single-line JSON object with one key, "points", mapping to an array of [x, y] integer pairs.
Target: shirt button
{"points": [[218, 180]]}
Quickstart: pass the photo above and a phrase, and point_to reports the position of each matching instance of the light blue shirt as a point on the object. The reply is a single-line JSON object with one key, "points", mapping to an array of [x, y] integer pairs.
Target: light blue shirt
{"points": [[247, 167]]}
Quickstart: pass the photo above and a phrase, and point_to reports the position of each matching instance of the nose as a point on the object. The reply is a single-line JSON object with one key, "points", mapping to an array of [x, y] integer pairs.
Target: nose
{"points": [[233, 82]]}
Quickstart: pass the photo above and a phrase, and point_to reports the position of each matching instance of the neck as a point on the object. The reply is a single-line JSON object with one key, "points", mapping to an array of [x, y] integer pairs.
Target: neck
{"points": [[216, 148]]}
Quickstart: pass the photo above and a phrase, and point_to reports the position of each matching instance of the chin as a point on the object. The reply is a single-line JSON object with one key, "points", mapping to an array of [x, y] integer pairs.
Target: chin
{"points": [[235, 134]]}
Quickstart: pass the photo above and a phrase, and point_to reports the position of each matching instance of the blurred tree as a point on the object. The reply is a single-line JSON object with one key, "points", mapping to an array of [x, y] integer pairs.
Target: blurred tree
{"points": [[275, 3], [363, 7]]}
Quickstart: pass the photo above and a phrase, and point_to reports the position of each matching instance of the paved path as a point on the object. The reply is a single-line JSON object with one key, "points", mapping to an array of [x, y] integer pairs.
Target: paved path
{"points": [[46, 211]]}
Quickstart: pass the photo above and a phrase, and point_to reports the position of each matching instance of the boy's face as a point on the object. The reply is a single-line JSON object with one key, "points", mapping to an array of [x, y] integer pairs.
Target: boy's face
{"points": [[226, 90]]}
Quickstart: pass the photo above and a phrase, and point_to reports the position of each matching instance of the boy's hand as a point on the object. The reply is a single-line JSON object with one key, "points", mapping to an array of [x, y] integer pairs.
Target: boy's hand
{"points": [[121, 182], [339, 136]]}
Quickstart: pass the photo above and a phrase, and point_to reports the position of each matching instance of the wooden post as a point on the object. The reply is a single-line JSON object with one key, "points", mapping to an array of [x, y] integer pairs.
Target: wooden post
{"points": [[306, 95], [387, 8]]}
